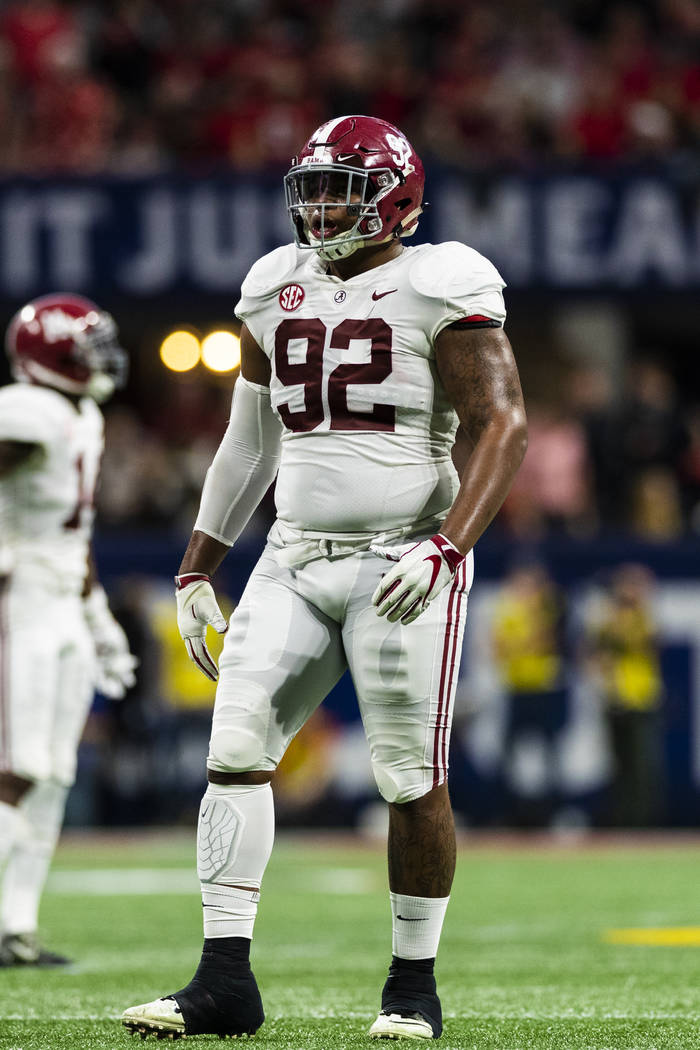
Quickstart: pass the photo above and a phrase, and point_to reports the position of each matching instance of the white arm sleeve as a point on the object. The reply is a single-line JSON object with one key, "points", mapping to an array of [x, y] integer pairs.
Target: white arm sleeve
{"points": [[244, 466]]}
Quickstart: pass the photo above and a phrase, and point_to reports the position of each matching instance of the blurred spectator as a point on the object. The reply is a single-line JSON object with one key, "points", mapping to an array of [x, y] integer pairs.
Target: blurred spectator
{"points": [[651, 438], [139, 483], [637, 447], [552, 487], [472, 84], [623, 649], [528, 645], [655, 512]]}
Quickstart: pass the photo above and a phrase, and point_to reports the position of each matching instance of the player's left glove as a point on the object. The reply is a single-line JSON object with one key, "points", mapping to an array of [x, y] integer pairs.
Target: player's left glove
{"points": [[116, 666], [421, 573]]}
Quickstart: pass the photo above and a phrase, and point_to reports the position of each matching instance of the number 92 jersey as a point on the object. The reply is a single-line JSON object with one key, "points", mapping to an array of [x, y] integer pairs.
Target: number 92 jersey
{"points": [[368, 429]]}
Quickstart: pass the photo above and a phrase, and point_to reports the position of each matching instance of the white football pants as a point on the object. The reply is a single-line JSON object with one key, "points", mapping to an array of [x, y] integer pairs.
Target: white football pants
{"points": [[46, 680], [294, 634]]}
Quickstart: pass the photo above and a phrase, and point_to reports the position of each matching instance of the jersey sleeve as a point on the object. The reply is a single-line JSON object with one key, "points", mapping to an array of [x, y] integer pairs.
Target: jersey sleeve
{"points": [[29, 414], [462, 287], [264, 280]]}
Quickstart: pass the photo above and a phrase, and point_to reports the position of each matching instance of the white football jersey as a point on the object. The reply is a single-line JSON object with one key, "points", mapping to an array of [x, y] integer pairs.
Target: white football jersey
{"points": [[368, 427], [46, 505]]}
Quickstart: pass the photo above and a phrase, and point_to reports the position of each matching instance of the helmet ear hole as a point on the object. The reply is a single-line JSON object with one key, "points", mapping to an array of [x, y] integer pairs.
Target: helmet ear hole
{"points": [[403, 203]]}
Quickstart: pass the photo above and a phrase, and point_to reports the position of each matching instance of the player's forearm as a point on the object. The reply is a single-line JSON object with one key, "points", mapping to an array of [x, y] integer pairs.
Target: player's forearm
{"points": [[486, 479], [204, 554], [91, 579]]}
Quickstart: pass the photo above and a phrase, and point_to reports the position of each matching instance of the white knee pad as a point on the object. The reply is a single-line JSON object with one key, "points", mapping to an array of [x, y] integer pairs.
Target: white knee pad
{"points": [[235, 834], [234, 842]]}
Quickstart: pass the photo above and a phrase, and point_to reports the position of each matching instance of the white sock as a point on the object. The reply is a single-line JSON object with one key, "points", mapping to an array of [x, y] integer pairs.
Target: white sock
{"points": [[11, 829], [30, 859], [234, 840], [416, 925]]}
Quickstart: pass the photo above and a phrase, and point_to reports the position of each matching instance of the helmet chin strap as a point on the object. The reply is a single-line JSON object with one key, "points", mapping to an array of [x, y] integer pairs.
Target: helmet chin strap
{"points": [[342, 248], [339, 251]]}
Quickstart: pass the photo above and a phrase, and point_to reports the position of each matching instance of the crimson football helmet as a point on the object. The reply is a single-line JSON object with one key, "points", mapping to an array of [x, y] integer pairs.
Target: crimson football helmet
{"points": [[67, 342], [364, 164]]}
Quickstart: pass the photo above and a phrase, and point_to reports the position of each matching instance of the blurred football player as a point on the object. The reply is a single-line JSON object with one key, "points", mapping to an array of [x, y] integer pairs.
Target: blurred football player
{"points": [[359, 358], [58, 639]]}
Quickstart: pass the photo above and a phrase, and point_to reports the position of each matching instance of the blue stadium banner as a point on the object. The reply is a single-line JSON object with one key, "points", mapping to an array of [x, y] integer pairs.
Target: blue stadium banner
{"points": [[152, 237]]}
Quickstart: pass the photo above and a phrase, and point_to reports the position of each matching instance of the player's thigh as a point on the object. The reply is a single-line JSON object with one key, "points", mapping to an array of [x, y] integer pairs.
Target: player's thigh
{"points": [[281, 657], [29, 648], [74, 694], [405, 678]]}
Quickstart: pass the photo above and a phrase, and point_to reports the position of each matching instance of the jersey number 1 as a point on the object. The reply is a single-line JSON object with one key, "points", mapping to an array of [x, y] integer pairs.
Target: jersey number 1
{"points": [[310, 373]]}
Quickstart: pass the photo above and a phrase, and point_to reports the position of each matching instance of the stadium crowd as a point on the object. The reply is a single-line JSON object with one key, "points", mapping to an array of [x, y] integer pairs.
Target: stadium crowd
{"points": [[146, 84]]}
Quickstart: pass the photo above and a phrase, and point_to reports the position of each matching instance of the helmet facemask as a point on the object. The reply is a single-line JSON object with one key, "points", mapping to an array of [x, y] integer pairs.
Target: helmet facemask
{"points": [[312, 190], [97, 347]]}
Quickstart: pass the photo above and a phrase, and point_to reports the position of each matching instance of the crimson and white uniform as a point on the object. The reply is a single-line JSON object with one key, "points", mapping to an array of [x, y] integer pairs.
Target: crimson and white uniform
{"points": [[365, 457], [46, 510], [368, 429]]}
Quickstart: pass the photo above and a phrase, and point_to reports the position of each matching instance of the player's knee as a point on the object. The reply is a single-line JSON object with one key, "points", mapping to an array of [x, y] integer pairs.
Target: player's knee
{"points": [[398, 785], [235, 749], [241, 727]]}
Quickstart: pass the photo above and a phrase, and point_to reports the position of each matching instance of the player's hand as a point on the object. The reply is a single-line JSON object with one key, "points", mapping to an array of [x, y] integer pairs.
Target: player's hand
{"points": [[420, 574], [115, 665], [196, 609]]}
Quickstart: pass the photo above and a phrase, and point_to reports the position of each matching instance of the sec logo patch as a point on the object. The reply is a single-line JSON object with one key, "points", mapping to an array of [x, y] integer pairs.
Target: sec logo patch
{"points": [[291, 297]]}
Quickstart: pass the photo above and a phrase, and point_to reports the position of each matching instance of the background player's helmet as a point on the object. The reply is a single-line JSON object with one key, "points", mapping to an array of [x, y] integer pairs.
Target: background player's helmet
{"points": [[67, 342], [365, 164]]}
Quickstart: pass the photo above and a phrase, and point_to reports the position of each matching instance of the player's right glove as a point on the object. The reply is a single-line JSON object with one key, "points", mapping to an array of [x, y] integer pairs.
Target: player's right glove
{"points": [[196, 609], [418, 577]]}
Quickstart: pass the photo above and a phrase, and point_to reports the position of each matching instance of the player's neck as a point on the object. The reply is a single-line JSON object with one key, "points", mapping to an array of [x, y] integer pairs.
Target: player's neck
{"points": [[365, 259]]}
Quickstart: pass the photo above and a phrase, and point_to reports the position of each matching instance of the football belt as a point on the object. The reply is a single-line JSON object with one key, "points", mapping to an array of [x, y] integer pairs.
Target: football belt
{"points": [[299, 546]]}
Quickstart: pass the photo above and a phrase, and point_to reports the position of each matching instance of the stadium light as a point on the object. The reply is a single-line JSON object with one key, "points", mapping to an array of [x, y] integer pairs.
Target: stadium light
{"points": [[221, 351], [180, 351]]}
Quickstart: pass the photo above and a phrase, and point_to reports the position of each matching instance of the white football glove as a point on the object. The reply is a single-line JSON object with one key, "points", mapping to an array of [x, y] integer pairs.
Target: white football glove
{"points": [[421, 573], [196, 609], [115, 665]]}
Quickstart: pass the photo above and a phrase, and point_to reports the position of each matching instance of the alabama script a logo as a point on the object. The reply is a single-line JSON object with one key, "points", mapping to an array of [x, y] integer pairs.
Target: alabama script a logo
{"points": [[291, 297]]}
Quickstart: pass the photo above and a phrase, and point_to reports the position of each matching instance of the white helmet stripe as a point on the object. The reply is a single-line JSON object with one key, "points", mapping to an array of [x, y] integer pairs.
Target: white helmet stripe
{"points": [[326, 130]]}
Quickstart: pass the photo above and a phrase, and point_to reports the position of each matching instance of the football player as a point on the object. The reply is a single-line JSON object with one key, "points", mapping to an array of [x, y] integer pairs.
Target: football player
{"points": [[58, 639], [359, 358]]}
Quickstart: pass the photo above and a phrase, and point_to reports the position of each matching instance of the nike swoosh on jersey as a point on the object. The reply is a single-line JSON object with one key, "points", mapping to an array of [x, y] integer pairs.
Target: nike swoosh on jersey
{"points": [[404, 919], [380, 295]]}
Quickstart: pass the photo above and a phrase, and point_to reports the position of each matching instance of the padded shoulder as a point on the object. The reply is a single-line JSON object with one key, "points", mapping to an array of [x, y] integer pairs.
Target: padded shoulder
{"points": [[270, 272], [451, 270], [32, 413]]}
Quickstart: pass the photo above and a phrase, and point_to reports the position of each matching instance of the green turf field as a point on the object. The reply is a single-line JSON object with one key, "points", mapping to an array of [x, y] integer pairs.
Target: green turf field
{"points": [[524, 962]]}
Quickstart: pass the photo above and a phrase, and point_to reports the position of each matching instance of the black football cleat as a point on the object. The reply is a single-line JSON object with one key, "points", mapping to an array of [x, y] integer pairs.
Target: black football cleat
{"points": [[23, 949], [410, 1008], [195, 1010]]}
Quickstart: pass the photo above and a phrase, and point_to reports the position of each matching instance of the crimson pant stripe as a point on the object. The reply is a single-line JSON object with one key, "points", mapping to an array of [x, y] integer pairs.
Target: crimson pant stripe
{"points": [[4, 676], [444, 671], [454, 664]]}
